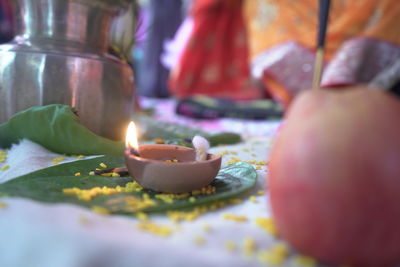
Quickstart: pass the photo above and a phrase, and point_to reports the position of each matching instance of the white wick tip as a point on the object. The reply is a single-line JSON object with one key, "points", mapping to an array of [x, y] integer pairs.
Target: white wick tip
{"points": [[201, 146]]}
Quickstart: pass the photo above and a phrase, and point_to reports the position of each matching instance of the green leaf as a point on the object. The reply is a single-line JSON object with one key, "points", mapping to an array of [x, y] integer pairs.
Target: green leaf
{"points": [[46, 185], [171, 131], [56, 128]]}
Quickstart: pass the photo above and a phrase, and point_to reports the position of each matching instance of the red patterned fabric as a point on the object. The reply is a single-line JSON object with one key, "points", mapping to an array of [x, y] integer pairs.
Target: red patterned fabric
{"points": [[215, 61]]}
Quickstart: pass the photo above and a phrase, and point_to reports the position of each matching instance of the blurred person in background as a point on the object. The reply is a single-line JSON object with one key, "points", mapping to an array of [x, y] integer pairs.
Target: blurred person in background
{"points": [[6, 21], [227, 44]]}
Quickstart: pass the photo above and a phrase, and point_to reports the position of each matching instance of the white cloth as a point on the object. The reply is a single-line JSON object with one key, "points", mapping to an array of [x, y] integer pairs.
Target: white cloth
{"points": [[53, 235]]}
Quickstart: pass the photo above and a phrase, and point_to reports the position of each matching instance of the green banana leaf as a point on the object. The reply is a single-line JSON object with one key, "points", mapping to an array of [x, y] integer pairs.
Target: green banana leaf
{"points": [[171, 131], [57, 128], [47, 185]]}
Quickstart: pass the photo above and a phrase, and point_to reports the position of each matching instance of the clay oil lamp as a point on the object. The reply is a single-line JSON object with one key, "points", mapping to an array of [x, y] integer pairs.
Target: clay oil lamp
{"points": [[170, 168]]}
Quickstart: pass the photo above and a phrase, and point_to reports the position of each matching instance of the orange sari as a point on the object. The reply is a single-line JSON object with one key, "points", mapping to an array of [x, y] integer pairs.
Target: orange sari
{"points": [[357, 30], [272, 22]]}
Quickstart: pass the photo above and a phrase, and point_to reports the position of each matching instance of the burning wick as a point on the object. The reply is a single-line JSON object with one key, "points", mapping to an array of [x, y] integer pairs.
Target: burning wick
{"points": [[201, 146], [131, 141]]}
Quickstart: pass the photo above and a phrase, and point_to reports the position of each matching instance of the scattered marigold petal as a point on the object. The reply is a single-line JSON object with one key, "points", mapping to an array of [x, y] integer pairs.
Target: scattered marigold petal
{"points": [[303, 260], [4, 168], [159, 141], [261, 192], [230, 246], [3, 205], [268, 225], [235, 201], [155, 229], [141, 216], [253, 199], [270, 258], [281, 249], [199, 240], [249, 246], [233, 217], [83, 220], [100, 210], [103, 165], [207, 228]]}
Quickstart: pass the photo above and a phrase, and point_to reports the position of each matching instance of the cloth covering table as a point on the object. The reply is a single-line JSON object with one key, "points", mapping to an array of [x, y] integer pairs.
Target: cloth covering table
{"points": [[37, 234]]}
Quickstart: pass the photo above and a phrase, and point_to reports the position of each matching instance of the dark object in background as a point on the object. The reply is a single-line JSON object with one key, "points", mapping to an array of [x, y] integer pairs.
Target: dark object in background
{"points": [[388, 79], [396, 88], [394, 76], [6, 21], [211, 108], [165, 16]]}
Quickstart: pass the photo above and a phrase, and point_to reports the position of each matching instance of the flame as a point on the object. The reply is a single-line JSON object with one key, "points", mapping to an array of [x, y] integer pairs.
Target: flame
{"points": [[131, 140]]}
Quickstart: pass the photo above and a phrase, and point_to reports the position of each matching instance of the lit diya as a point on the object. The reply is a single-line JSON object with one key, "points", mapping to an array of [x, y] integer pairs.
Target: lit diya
{"points": [[170, 168]]}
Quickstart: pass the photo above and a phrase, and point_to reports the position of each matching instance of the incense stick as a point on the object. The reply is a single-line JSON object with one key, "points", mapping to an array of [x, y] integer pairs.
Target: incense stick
{"points": [[324, 6]]}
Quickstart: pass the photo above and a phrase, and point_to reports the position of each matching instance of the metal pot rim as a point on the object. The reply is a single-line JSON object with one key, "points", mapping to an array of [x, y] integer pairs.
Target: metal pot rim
{"points": [[111, 5]]}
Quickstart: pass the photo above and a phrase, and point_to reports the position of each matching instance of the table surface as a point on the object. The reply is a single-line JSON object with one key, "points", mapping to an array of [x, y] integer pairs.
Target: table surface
{"points": [[37, 234]]}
